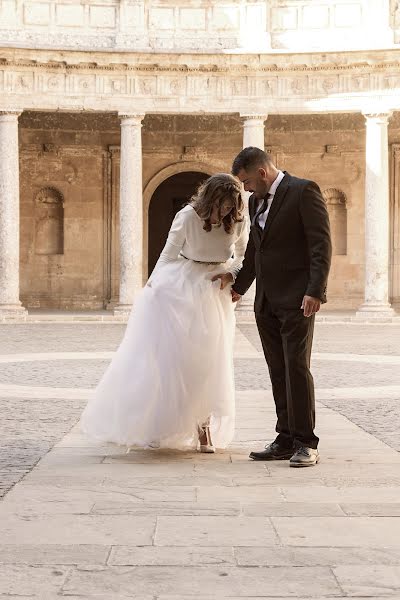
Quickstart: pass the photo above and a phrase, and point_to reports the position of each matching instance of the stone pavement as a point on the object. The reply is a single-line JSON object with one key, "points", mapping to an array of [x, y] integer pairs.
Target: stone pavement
{"points": [[92, 522]]}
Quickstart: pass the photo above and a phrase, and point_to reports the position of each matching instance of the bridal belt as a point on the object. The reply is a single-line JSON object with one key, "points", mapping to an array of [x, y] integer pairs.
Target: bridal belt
{"points": [[203, 262]]}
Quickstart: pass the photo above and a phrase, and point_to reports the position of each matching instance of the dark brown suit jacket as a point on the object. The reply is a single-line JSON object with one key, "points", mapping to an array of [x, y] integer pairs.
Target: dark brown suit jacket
{"points": [[291, 257]]}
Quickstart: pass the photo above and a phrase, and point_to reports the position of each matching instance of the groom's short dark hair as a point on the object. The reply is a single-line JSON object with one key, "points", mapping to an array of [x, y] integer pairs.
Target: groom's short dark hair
{"points": [[250, 158]]}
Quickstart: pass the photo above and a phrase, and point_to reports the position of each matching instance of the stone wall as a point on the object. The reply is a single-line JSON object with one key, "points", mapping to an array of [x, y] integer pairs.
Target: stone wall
{"points": [[76, 155], [67, 155]]}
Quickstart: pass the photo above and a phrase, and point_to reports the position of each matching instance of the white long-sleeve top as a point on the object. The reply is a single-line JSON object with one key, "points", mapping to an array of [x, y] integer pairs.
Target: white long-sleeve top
{"points": [[188, 238]]}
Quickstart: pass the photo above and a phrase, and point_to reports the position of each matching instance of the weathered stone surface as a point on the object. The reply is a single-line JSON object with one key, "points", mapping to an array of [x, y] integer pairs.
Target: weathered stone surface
{"points": [[76, 529], [378, 580], [54, 554], [160, 525], [330, 531], [293, 509], [28, 580], [221, 531], [171, 556], [318, 556], [167, 508], [223, 581]]}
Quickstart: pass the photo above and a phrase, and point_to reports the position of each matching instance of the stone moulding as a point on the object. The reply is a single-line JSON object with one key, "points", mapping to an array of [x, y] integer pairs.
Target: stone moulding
{"points": [[203, 83]]}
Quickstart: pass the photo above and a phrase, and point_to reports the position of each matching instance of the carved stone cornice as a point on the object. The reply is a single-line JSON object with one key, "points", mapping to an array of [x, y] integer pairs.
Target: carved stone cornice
{"points": [[12, 112], [203, 68], [252, 86], [362, 60]]}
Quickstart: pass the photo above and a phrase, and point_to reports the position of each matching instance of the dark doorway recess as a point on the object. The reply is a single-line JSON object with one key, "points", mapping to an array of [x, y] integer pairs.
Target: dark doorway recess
{"points": [[170, 196]]}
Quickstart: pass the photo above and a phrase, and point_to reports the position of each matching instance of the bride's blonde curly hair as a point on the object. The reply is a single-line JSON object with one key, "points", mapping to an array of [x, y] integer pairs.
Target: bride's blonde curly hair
{"points": [[214, 191]]}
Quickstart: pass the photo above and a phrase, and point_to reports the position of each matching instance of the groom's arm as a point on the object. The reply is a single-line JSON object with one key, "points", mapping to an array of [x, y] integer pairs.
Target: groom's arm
{"points": [[315, 218], [247, 273]]}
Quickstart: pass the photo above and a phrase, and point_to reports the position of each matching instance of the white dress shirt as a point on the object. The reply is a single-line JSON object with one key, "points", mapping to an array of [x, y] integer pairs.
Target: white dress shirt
{"points": [[263, 217]]}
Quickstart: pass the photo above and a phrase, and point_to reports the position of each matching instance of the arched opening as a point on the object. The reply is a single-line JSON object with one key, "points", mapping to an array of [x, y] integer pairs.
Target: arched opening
{"points": [[167, 200]]}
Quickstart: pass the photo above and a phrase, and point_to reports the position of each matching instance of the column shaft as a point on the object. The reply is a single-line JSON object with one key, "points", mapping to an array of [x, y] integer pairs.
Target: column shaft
{"points": [[253, 135], [10, 304], [376, 292], [131, 211]]}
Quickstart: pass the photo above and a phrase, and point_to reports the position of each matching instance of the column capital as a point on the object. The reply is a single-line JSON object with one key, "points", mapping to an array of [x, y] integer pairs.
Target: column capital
{"points": [[131, 118], [380, 116], [253, 117], [12, 112]]}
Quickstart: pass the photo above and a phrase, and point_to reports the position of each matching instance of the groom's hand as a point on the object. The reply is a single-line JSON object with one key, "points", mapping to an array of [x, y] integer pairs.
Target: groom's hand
{"points": [[310, 305], [226, 279], [235, 296]]}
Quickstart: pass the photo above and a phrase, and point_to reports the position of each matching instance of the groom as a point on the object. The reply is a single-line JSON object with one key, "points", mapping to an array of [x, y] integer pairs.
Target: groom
{"points": [[289, 255]]}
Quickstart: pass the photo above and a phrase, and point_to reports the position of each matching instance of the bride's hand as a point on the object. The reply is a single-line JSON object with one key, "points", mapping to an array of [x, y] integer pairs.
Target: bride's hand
{"points": [[226, 279]]}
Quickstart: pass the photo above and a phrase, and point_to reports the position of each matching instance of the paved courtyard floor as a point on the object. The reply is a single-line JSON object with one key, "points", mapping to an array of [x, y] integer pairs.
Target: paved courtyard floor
{"points": [[79, 519]]}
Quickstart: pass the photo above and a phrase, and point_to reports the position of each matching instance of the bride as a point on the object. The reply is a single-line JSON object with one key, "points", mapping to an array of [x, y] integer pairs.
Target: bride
{"points": [[170, 383]]}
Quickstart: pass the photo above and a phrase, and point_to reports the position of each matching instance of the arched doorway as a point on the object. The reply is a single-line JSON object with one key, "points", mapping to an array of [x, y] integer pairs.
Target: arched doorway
{"points": [[169, 197]]}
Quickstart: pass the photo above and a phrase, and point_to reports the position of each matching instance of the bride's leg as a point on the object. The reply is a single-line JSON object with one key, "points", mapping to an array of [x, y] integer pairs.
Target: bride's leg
{"points": [[206, 444]]}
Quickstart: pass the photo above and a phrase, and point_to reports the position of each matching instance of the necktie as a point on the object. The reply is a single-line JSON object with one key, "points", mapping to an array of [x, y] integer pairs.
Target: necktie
{"points": [[261, 210]]}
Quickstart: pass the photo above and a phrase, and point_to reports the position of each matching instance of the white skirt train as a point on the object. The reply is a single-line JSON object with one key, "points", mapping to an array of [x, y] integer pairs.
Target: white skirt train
{"points": [[174, 366]]}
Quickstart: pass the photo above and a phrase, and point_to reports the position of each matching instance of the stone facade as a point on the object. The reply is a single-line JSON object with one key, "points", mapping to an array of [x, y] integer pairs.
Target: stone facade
{"points": [[115, 98], [79, 157]]}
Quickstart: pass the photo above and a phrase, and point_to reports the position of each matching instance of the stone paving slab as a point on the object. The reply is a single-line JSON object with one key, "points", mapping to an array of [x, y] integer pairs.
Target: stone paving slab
{"points": [[76, 529], [193, 581], [330, 531], [31, 580], [92, 522], [378, 580], [54, 554]]}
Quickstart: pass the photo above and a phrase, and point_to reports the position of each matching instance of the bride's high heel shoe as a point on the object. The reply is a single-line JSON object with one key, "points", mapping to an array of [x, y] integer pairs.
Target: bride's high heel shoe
{"points": [[204, 431]]}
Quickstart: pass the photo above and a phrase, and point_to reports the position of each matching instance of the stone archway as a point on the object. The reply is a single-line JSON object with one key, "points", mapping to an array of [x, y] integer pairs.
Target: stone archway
{"points": [[169, 197]]}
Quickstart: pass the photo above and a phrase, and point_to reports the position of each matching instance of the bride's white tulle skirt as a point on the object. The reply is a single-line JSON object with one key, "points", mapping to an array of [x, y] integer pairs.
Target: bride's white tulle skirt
{"points": [[174, 367]]}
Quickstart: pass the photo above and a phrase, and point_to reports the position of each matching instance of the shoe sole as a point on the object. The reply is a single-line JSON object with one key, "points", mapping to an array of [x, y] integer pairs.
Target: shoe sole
{"points": [[297, 465], [272, 458]]}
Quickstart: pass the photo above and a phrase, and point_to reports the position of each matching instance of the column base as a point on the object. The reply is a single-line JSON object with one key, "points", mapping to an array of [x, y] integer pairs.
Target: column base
{"points": [[12, 313], [122, 310], [111, 304], [375, 311]]}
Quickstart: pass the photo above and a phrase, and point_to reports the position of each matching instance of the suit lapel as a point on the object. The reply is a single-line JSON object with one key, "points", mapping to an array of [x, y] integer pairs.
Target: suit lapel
{"points": [[276, 203]]}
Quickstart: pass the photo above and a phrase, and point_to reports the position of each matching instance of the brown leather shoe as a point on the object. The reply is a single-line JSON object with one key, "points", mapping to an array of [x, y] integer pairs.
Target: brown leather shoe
{"points": [[272, 452]]}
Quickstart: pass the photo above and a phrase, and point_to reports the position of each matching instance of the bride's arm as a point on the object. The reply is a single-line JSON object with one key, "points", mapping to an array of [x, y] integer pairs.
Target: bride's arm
{"points": [[173, 245]]}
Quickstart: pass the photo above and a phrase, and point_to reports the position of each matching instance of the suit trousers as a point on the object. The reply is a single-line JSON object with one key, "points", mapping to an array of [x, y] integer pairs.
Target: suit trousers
{"points": [[286, 336]]}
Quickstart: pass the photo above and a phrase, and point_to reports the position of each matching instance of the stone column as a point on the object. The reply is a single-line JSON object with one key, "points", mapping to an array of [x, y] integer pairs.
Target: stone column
{"points": [[253, 135], [376, 292], [10, 305], [130, 212], [253, 130]]}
